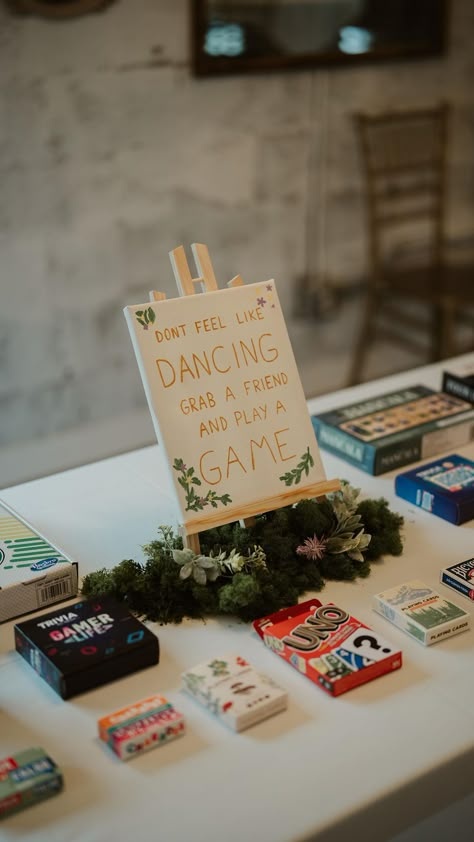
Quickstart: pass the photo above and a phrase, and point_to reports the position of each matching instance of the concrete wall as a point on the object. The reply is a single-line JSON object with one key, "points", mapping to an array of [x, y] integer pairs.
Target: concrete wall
{"points": [[111, 154]]}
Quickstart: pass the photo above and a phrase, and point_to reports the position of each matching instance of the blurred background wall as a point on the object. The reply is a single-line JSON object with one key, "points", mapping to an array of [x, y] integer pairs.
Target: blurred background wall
{"points": [[111, 154]]}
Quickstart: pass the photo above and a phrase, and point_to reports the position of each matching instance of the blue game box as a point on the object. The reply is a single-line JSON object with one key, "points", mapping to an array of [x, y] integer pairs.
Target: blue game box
{"points": [[444, 487]]}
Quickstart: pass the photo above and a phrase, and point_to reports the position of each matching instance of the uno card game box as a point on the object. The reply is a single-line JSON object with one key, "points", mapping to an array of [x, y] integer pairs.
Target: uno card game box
{"points": [[234, 692], [421, 612], [33, 572], [460, 577], [394, 429], [444, 487], [328, 645], [26, 778], [85, 645]]}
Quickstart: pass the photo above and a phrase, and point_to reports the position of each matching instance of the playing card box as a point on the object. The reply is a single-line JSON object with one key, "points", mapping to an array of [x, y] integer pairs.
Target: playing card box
{"points": [[85, 645], [328, 645], [234, 692], [33, 572], [131, 713], [394, 429], [421, 612], [444, 487], [150, 732], [460, 577], [26, 778]]}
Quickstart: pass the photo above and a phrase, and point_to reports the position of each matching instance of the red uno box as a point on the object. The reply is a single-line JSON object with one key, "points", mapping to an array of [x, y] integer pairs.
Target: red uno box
{"points": [[328, 645]]}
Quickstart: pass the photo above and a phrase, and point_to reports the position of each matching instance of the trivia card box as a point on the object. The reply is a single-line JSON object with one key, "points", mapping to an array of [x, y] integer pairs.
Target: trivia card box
{"points": [[85, 645], [33, 572], [460, 577], [26, 778], [328, 645], [444, 487], [234, 692], [421, 612]]}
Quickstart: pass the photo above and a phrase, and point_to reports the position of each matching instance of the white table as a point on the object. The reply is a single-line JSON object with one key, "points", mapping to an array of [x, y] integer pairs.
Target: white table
{"points": [[363, 766]]}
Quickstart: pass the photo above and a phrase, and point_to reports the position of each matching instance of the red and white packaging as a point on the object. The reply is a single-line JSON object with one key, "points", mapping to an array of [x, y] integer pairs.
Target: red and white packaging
{"points": [[328, 645]]}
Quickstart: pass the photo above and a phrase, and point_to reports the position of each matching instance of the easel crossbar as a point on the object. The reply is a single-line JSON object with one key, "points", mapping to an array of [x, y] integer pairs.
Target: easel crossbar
{"points": [[265, 504]]}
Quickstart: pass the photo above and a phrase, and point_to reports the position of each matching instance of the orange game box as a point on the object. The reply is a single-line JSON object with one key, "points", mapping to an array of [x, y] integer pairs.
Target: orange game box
{"points": [[328, 645], [131, 714]]}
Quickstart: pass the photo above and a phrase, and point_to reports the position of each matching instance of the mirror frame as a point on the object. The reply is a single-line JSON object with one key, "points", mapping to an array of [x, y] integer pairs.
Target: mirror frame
{"points": [[202, 65], [71, 9]]}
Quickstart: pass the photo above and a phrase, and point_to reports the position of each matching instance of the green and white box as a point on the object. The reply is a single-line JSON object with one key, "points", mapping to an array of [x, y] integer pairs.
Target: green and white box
{"points": [[421, 612], [33, 572]]}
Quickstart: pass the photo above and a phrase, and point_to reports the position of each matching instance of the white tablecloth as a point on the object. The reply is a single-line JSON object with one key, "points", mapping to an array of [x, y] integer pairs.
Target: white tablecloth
{"points": [[362, 766]]}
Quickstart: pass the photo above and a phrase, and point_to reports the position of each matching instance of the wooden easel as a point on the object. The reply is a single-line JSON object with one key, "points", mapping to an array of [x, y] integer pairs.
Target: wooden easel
{"points": [[207, 282]]}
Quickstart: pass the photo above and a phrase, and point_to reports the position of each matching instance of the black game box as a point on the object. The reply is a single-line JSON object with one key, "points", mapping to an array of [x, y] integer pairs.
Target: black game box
{"points": [[85, 645], [460, 381]]}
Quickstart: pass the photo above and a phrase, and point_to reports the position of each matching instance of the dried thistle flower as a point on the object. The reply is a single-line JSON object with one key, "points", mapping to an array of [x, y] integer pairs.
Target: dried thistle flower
{"points": [[313, 548]]}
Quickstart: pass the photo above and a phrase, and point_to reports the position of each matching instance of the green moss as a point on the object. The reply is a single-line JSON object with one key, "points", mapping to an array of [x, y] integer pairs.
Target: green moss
{"points": [[155, 589]]}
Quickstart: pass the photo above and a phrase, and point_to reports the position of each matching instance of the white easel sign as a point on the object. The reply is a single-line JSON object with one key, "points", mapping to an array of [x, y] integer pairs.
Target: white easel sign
{"points": [[227, 403]]}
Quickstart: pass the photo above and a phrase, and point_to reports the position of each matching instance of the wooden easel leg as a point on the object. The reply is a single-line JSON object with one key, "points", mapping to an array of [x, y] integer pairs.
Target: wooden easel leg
{"points": [[190, 542]]}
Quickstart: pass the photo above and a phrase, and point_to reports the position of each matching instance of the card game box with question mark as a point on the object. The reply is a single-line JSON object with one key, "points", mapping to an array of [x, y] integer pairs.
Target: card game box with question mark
{"points": [[328, 645]]}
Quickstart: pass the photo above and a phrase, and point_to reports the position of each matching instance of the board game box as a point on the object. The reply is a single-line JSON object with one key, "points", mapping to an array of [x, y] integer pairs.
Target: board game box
{"points": [[421, 612], [394, 429], [460, 577], [33, 572], [328, 645], [85, 645], [444, 488], [231, 689], [26, 778], [459, 381]]}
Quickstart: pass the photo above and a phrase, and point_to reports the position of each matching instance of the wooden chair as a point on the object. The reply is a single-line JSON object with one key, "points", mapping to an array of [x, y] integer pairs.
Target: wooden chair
{"points": [[415, 295]]}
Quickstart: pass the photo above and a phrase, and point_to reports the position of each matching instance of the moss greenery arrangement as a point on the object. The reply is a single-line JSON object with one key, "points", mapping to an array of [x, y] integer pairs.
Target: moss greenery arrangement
{"points": [[250, 572]]}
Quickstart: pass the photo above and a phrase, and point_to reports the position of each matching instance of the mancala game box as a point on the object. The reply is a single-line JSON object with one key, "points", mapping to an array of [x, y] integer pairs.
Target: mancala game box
{"points": [[328, 645], [85, 645], [33, 572], [395, 429]]}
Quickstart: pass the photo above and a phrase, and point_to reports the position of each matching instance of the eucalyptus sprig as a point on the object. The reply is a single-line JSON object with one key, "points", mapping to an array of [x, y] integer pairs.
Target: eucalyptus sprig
{"points": [[202, 568]]}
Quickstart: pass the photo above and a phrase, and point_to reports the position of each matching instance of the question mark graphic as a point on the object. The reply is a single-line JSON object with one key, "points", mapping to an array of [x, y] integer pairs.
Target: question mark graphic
{"points": [[359, 641]]}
